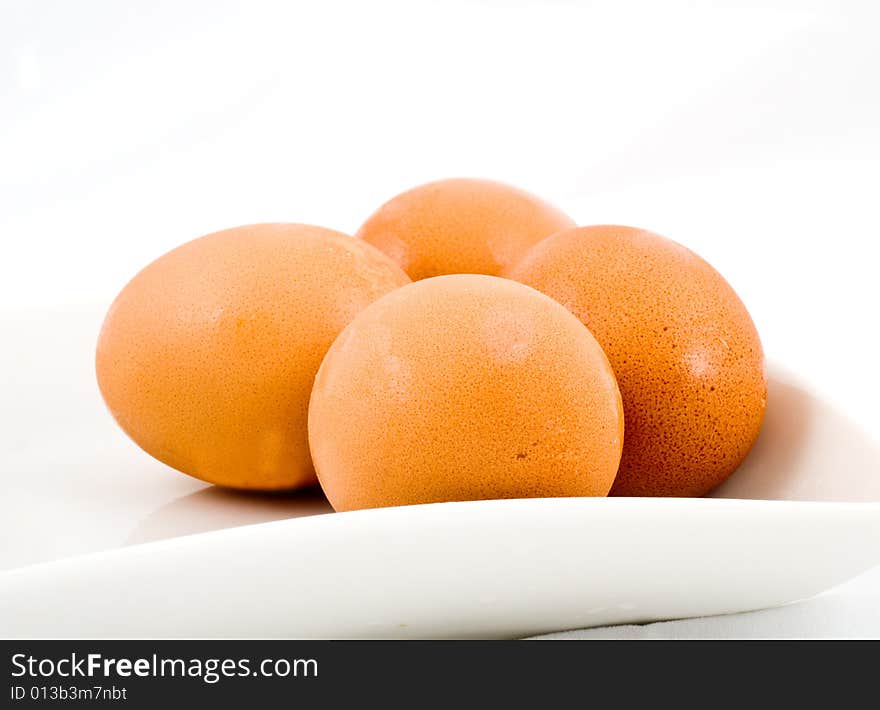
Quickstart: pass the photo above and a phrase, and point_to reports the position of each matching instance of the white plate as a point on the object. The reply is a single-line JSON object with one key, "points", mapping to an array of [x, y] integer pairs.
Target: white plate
{"points": [[481, 569]]}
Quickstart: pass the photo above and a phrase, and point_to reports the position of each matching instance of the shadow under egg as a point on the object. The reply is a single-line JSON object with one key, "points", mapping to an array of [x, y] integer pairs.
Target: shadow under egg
{"points": [[807, 450], [215, 508]]}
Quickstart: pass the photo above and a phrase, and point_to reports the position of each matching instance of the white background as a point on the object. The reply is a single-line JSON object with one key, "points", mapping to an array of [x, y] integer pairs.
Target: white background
{"points": [[748, 131]]}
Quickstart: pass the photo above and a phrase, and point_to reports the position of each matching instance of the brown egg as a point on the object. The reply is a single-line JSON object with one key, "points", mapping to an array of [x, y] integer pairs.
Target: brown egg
{"points": [[459, 388], [207, 357], [461, 226], [685, 351]]}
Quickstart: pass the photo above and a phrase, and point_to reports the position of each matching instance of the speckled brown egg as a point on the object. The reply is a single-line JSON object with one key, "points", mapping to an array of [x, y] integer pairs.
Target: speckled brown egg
{"points": [[459, 388], [207, 357], [685, 351], [461, 226]]}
